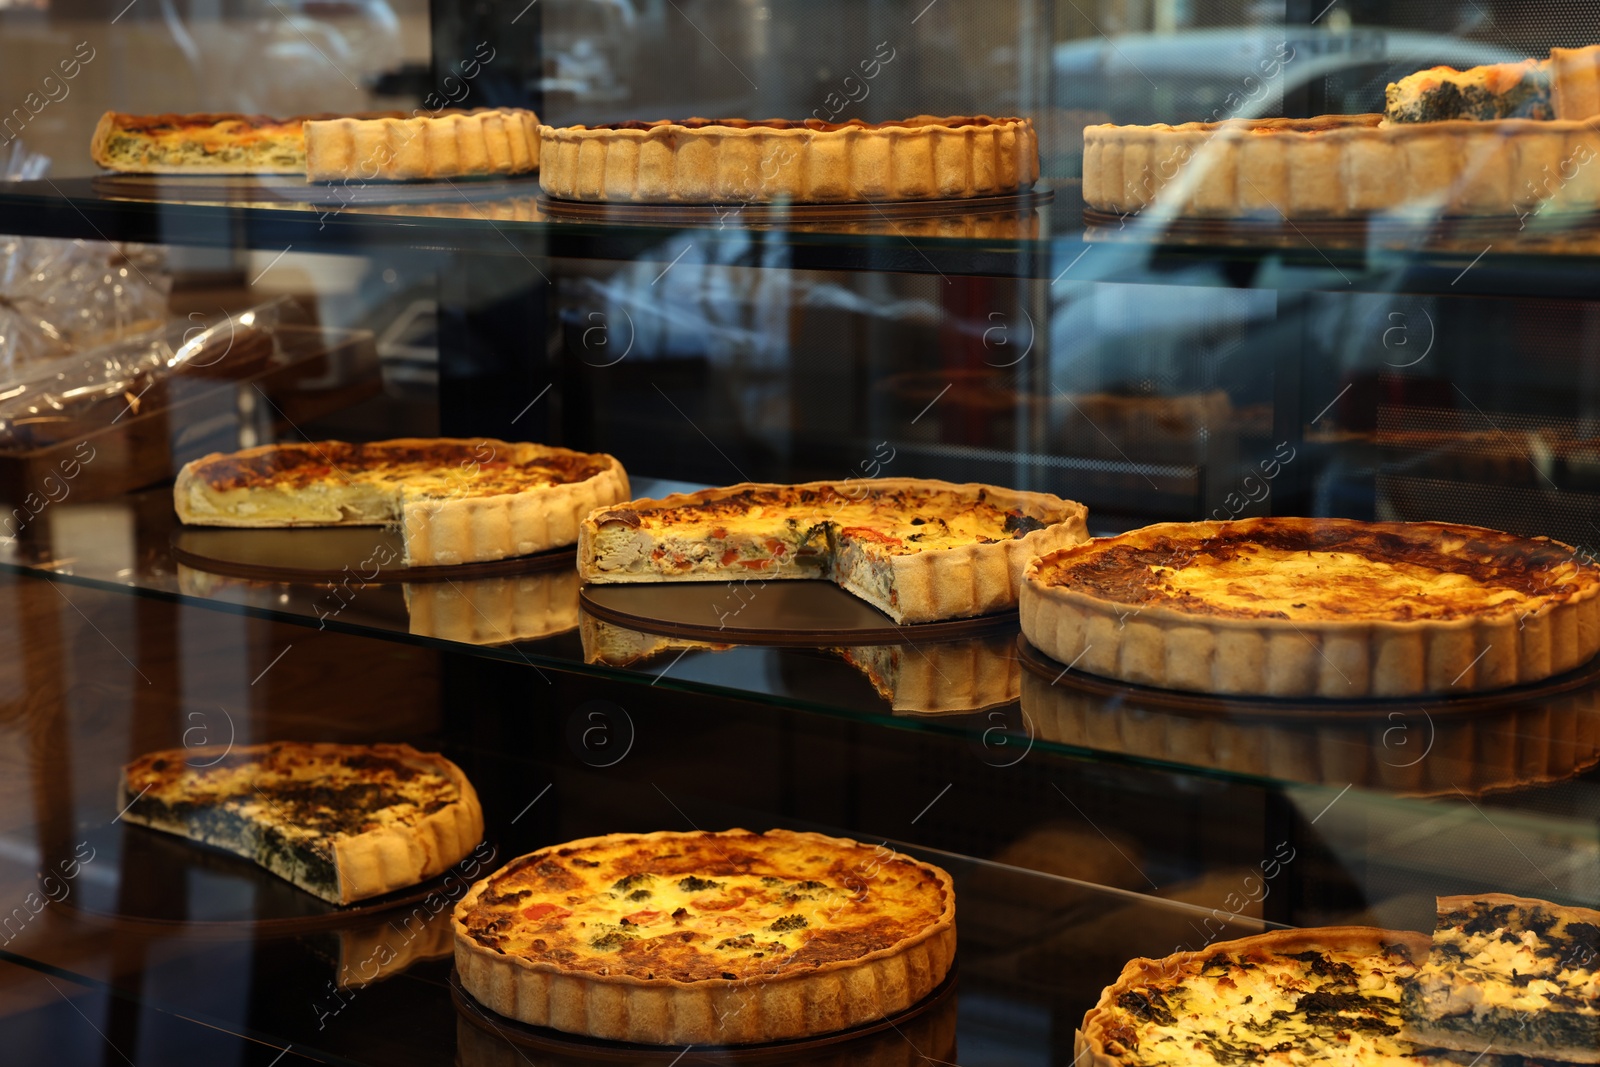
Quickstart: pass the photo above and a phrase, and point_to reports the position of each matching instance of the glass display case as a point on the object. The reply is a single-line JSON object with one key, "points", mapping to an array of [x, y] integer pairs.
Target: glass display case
{"points": [[1153, 366]]}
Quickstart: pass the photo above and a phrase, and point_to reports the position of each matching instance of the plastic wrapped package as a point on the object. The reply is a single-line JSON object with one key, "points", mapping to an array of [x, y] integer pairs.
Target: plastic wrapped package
{"points": [[62, 297]]}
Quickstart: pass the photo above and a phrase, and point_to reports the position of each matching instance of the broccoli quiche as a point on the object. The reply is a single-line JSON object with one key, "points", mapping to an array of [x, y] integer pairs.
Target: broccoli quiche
{"points": [[917, 550], [344, 822], [1521, 974], [1330, 608], [1330, 996], [456, 501], [706, 938]]}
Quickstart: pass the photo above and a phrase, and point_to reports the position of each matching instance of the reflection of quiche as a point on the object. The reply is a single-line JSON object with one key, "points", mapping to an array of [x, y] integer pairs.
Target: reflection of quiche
{"points": [[706, 938], [739, 161], [457, 501], [345, 822], [1565, 86], [1321, 996], [1521, 974], [1316, 607], [916, 549]]}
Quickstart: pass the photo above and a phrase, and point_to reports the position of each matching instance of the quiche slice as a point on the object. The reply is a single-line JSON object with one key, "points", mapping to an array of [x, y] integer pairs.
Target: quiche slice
{"points": [[706, 938], [1333, 608], [916, 549], [1330, 996], [1520, 974], [456, 501], [201, 143], [343, 822]]}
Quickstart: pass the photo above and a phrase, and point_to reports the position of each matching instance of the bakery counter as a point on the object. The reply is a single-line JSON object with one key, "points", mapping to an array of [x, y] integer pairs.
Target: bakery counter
{"points": [[1043, 235]]}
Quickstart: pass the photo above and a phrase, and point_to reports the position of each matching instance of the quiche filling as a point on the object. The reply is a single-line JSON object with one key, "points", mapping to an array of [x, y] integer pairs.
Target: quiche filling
{"points": [[1499, 91], [1296, 570], [284, 806], [849, 537], [202, 143], [699, 907], [1523, 972]]}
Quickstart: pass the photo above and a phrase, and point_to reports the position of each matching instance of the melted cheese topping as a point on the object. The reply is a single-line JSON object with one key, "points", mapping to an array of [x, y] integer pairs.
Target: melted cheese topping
{"points": [[1324, 1005], [694, 907], [1512, 958], [1320, 570]]}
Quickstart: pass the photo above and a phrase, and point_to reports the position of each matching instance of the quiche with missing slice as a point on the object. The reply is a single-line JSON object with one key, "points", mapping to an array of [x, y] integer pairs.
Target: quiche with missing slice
{"points": [[916, 549], [1330, 608], [706, 938], [344, 822], [456, 501], [1290, 998], [1521, 975]]}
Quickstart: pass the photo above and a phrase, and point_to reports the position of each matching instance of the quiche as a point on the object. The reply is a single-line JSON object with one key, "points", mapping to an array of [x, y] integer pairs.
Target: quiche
{"points": [[203, 143], [1328, 996], [1497, 91], [456, 500], [1523, 974], [1565, 86], [916, 549], [706, 938], [446, 144], [740, 161], [1334, 608], [343, 822]]}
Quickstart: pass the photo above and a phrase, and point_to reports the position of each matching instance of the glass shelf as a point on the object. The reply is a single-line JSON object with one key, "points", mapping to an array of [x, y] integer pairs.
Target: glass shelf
{"points": [[1051, 241], [980, 691]]}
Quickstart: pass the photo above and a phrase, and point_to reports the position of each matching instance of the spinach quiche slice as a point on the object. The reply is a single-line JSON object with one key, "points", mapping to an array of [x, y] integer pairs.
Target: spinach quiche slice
{"points": [[728, 938], [1521, 974], [916, 549], [343, 822], [455, 500], [1288, 998], [1329, 608]]}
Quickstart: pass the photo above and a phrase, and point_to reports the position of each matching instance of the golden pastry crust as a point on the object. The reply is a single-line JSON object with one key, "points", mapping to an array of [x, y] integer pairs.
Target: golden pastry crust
{"points": [[1316, 607], [456, 500], [493, 611], [1407, 751], [1134, 1010], [420, 814], [1342, 166], [1575, 82], [869, 530], [861, 934], [737, 161], [452, 144]]}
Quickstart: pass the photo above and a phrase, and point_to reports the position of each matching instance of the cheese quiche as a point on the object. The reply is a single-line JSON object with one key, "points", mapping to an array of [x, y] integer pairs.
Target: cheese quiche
{"points": [[1329, 608], [456, 501], [1288, 998], [706, 938], [344, 822], [916, 549], [1523, 974]]}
